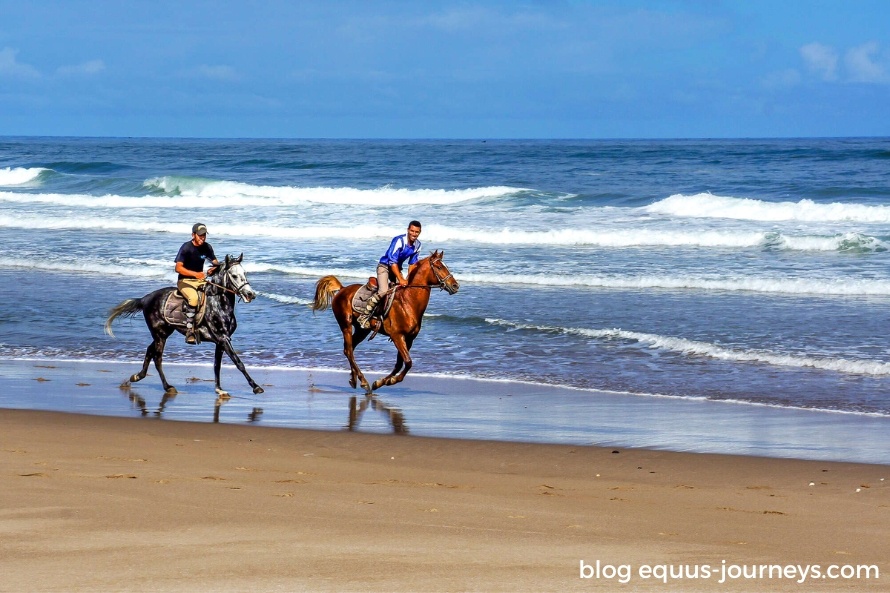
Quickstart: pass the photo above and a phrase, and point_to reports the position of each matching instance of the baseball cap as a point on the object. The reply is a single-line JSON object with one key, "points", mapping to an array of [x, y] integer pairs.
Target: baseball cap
{"points": [[199, 229]]}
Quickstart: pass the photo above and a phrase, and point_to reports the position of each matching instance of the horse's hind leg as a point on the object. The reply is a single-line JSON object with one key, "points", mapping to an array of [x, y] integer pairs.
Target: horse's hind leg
{"points": [[159, 344], [149, 355], [350, 341], [383, 381]]}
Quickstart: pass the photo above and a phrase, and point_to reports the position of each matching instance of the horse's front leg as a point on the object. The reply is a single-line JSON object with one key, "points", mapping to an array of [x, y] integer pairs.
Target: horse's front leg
{"points": [[225, 345], [403, 346], [217, 367], [349, 352]]}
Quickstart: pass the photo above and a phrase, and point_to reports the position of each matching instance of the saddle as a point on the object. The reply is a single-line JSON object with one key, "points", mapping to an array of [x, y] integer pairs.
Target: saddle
{"points": [[360, 300], [174, 309]]}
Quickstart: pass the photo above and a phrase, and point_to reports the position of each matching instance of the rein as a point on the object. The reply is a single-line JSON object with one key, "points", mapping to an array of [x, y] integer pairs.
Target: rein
{"points": [[220, 286], [440, 284], [237, 291]]}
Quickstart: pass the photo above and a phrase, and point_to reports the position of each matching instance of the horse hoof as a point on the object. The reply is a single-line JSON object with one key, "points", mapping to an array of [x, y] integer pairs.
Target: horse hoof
{"points": [[135, 379], [171, 390], [352, 382], [222, 394], [258, 390]]}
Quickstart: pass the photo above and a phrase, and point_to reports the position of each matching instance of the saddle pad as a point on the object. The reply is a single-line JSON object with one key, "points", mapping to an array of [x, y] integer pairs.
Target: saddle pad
{"points": [[174, 309], [360, 300]]}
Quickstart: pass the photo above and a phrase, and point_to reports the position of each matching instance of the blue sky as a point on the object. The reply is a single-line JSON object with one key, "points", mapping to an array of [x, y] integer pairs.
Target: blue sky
{"points": [[445, 69]]}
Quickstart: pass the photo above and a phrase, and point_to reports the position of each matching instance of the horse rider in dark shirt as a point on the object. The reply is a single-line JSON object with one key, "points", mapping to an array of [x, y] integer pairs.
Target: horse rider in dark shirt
{"points": [[190, 267]]}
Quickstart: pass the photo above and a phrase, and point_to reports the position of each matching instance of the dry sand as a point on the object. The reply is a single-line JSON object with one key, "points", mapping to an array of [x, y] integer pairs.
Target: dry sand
{"points": [[127, 504]]}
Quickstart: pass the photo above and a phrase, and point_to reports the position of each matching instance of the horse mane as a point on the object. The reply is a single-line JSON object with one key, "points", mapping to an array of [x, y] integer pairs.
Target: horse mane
{"points": [[421, 261]]}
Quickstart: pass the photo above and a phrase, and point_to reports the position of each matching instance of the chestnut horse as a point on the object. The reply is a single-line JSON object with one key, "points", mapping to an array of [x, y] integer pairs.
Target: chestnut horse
{"points": [[402, 323]]}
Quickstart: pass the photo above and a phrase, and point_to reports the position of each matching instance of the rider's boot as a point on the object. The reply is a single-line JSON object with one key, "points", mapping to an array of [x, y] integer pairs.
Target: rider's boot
{"points": [[364, 320], [190, 337]]}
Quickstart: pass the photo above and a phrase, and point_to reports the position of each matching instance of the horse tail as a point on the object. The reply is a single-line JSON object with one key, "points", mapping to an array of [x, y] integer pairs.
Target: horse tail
{"points": [[325, 289], [128, 308]]}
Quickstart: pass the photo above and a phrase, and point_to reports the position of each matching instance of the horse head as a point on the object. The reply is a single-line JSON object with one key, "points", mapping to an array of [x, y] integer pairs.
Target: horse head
{"points": [[235, 279], [444, 278]]}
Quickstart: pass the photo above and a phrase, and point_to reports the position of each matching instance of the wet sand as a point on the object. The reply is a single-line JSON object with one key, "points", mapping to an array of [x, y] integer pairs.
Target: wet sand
{"points": [[446, 407], [93, 503]]}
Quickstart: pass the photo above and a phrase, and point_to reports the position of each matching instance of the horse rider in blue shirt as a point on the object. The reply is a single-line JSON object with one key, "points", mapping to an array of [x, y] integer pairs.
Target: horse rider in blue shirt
{"points": [[401, 248], [190, 266]]}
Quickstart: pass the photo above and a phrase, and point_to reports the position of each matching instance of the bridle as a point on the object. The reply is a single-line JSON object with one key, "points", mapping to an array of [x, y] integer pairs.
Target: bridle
{"points": [[440, 280], [236, 290]]}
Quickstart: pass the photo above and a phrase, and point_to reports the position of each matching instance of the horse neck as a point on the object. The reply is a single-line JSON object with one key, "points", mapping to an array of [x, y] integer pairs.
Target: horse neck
{"points": [[422, 275], [223, 298]]}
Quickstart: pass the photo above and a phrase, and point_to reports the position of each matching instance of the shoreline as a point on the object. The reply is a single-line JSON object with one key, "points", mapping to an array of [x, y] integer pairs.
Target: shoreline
{"points": [[458, 408], [99, 503]]}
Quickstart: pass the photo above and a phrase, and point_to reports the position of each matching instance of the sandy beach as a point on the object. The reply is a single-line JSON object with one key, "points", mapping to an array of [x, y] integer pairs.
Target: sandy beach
{"points": [[93, 503]]}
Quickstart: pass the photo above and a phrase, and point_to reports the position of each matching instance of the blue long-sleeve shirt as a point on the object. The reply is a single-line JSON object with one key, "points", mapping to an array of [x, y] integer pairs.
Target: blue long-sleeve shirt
{"points": [[399, 251]]}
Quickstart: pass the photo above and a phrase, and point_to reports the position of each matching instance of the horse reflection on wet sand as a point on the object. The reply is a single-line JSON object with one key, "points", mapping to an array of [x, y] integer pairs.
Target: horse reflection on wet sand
{"points": [[356, 411], [139, 403], [402, 323]]}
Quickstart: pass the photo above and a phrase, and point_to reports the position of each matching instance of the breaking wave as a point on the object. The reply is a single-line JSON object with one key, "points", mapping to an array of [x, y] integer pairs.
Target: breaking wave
{"points": [[231, 193], [697, 348], [19, 175], [707, 205], [608, 238]]}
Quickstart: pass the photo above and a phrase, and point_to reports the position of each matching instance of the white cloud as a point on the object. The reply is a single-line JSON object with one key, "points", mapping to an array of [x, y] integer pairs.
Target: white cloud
{"points": [[9, 66], [862, 65], [820, 59], [84, 69]]}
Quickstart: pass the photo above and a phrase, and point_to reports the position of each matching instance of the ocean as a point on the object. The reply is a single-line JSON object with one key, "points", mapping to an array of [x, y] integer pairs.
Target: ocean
{"points": [[749, 272]]}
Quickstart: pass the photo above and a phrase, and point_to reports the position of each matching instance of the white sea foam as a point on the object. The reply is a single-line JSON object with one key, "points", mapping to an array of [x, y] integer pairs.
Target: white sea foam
{"points": [[790, 286], [287, 300], [231, 193], [133, 224], [608, 238], [164, 269], [618, 238], [142, 270], [224, 194], [19, 175], [698, 348], [706, 205], [813, 286]]}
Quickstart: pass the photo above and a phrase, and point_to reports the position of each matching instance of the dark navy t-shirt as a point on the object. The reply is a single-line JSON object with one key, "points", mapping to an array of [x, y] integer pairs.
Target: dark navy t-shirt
{"points": [[193, 258]]}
